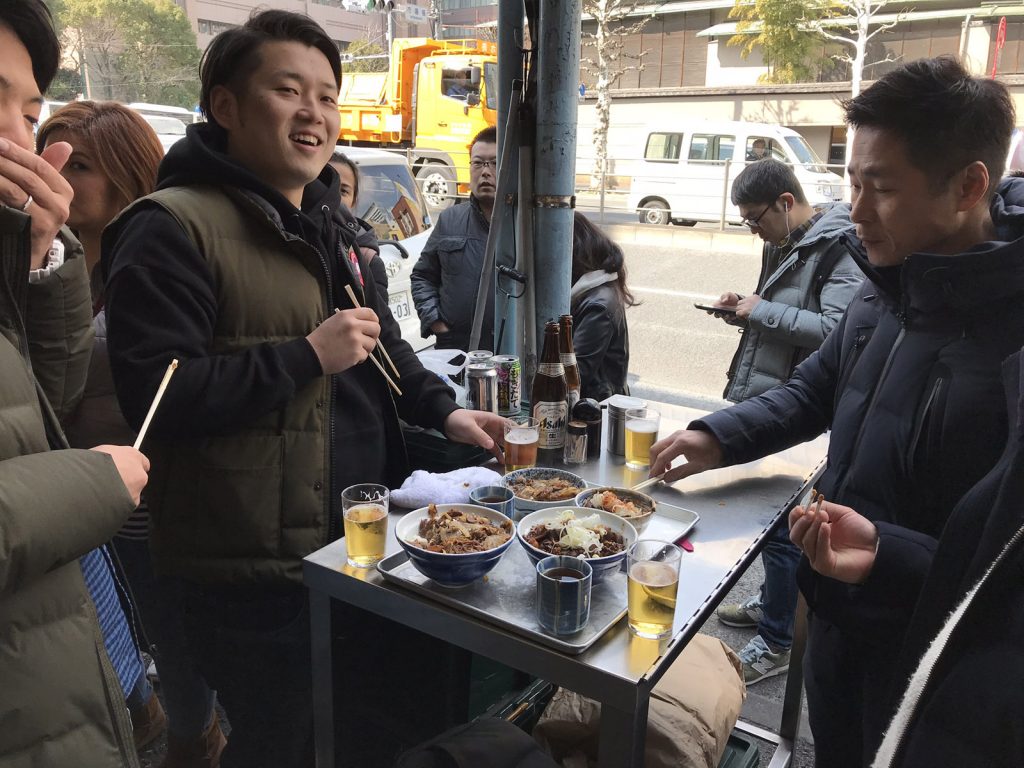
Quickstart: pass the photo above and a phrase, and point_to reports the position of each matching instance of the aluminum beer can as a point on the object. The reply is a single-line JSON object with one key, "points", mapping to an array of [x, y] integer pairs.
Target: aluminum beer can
{"points": [[482, 387], [510, 384], [478, 356]]}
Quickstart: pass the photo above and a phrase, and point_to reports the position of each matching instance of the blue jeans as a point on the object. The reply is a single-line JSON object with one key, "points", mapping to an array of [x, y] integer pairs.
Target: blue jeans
{"points": [[779, 591], [187, 698]]}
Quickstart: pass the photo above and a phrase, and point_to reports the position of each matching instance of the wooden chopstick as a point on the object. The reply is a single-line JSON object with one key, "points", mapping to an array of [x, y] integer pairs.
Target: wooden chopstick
{"points": [[384, 352], [380, 367], [156, 401]]}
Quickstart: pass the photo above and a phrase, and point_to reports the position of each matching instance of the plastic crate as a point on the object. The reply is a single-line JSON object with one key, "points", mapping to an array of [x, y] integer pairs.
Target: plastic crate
{"points": [[740, 752]]}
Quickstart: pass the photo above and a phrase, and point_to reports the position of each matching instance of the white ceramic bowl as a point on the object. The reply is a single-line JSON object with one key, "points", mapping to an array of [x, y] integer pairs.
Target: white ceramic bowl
{"points": [[641, 500], [601, 565], [523, 506], [450, 570]]}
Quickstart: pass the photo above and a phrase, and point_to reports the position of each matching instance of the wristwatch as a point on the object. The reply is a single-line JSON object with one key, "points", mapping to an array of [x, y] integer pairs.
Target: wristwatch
{"points": [[54, 259]]}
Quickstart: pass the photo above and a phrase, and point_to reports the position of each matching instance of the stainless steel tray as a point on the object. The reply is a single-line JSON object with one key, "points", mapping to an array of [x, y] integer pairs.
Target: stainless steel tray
{"points": [[507, 595]]}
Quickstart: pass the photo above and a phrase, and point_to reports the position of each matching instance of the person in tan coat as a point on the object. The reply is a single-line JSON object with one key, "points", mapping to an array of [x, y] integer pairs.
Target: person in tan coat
{"points": [[61, 702]]}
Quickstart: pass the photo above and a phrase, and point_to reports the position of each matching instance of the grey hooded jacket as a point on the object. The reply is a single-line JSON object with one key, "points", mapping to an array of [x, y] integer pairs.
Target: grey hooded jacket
{"points": [[802, 300]]}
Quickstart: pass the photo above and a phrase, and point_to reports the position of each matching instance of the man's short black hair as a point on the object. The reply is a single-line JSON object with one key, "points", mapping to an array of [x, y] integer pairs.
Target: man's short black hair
{"points": [[235, 53], [488, 135], [31, 22], [762, 183], [946, 118]]}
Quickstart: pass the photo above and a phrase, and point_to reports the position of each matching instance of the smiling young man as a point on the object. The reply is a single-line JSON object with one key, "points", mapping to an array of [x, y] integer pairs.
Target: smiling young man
{"points": [[908, 382], [236, 266]]}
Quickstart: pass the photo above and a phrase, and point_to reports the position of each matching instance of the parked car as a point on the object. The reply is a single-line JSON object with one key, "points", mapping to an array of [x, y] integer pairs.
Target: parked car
{"points": [[390, 200], [683, 176], [168, 129]]}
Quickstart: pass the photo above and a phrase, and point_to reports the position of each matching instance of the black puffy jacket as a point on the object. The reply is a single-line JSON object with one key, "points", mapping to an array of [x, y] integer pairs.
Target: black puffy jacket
{"points": [[968, 697], [601, 342], [909, 384]]}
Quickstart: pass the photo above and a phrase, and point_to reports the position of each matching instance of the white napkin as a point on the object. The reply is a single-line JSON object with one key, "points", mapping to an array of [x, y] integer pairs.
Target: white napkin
{"points": [[422, 488]]}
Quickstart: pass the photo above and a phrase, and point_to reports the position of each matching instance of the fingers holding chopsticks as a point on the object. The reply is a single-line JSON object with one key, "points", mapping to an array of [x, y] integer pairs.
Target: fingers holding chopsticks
{"points": [[838, 541], [384, 353], [345, 339]]}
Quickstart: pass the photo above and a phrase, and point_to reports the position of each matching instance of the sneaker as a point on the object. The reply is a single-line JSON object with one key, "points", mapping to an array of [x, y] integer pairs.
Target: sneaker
{"points": [[745, 615], [759, 662]]}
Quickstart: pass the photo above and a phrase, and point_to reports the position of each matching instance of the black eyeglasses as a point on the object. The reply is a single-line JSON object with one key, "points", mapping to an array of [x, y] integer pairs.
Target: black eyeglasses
{"points": [[479, 165], [752, 223]]}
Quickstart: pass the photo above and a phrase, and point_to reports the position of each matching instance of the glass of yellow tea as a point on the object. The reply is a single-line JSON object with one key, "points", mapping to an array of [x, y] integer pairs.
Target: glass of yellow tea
{"points": [[521, 438], [365, 510], [641, 433], [653, 580]]}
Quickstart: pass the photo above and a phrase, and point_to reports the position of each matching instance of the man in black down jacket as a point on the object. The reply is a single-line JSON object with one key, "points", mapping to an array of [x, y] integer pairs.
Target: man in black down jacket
{"points": [[447, 275], [962, 654], [909, 380]]}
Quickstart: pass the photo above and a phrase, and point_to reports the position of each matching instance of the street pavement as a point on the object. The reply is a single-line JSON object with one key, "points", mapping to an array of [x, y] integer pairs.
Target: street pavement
{"points": [[680, 354]]}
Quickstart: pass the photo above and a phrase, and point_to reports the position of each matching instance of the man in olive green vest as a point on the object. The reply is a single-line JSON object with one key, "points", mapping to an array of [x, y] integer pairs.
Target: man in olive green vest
{"points": [[237, 266], [61, 702]]}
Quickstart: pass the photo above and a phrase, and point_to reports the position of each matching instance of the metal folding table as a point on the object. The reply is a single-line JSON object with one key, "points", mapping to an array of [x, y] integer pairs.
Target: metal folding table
{"points": [[738, 506]]}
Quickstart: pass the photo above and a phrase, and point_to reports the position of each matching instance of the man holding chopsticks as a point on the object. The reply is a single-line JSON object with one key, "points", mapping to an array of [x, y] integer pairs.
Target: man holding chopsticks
{"points": [[292, 374], [908, 382]]}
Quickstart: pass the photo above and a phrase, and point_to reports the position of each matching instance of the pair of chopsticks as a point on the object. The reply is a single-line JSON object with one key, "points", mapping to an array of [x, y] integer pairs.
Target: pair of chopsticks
{"points": [[649, 482], [384, 352]]}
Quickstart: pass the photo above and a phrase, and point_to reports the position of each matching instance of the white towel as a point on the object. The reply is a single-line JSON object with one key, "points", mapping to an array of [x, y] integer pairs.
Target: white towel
{"points": [[422, 488]]}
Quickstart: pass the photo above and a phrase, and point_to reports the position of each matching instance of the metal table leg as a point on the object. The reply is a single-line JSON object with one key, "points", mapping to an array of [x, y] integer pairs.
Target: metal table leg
{"points": [[623, 735], [323, 677]]}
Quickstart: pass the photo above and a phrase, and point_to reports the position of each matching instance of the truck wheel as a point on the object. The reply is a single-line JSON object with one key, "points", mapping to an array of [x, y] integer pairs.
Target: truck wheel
{"points": [[654, 212], [438, 184]]}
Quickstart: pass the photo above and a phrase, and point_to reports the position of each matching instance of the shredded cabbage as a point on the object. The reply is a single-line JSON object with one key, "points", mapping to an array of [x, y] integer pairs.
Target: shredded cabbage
{"points": [[584, 533]]}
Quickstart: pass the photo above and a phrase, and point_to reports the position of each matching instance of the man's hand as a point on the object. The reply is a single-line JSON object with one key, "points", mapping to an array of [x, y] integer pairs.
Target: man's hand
{"points": [[23, 174], [838, 542], [131, 465], [729, 299], [701, 449], [439, 327], [745, 306], [345, 339], [481, 428]]}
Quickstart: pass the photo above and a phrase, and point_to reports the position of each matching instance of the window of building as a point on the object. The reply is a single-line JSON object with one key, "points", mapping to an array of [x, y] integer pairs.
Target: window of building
{"points": [[207, 27], [705, 147], [663, 147]]}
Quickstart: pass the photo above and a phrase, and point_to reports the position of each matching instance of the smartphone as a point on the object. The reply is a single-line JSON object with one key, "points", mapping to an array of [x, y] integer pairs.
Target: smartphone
{"points": [[720, 310]]}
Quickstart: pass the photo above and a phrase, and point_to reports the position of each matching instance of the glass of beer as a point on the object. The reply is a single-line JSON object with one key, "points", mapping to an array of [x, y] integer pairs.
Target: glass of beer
{"points": [[521, 438], [365, 511], [641, 433], [653, 580]]}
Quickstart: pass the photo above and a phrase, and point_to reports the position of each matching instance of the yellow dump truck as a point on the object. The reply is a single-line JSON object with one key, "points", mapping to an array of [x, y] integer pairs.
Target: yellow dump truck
{"points": [[434, 98]]}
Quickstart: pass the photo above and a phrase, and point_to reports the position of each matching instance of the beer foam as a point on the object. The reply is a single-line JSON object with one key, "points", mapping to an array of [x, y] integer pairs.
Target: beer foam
{"points": [[521, 436], [642, 425], [653, 574]]}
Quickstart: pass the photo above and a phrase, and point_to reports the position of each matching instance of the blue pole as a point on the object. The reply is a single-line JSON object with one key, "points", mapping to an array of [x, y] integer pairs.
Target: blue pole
{"points": [[555, 158]]}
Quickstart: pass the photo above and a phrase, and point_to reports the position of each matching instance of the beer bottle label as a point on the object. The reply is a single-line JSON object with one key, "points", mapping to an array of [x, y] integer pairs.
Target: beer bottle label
{"points": [[551, 420], [568, 358], [550, 369]]}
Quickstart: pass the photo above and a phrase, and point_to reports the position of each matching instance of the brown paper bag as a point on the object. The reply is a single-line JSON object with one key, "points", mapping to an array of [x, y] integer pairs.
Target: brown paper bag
{"points": [[693, 710]]}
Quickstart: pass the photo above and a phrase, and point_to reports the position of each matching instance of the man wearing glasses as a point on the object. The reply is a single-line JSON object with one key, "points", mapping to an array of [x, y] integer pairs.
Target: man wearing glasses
{"points": [[446, 277], [808, 278]]}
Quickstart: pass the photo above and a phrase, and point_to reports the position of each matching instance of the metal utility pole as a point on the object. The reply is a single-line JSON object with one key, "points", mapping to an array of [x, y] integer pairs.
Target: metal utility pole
{"points": [[558, 44]]}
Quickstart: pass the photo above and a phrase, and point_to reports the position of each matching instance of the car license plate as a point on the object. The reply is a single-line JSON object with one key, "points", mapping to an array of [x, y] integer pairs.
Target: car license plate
{"points": [[399, 305]]}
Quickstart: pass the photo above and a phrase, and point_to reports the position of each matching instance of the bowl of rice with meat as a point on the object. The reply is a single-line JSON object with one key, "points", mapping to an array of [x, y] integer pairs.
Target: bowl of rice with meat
{"points": [[600, 537], [454, 544], [542, 488], [632, 505]]}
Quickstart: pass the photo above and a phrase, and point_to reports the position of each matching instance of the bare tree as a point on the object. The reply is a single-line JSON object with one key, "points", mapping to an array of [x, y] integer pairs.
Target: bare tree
{"points": [[610, 62], [863, 13]]}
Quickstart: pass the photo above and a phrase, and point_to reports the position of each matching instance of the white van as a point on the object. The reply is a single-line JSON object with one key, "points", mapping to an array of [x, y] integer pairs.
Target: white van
{"points": [[682, 176]]}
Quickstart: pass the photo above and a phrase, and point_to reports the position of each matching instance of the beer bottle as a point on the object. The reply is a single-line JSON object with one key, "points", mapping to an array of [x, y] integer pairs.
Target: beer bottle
{"points": [[568, 355], [547, 399]]}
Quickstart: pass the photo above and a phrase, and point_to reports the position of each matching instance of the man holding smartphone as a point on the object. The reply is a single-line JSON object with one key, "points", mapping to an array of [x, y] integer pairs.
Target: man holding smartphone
{"points": [[807, 279]]}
